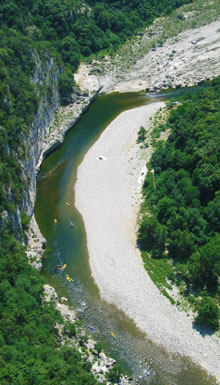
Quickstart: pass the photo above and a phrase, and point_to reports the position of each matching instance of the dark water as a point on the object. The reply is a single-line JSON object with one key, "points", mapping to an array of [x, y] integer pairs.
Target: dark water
{"points": [[67, 245]]}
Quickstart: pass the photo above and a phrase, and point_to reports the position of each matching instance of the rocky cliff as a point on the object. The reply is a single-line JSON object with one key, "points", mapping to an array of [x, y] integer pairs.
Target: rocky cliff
{"points": [[47, 132], [45, 80]]}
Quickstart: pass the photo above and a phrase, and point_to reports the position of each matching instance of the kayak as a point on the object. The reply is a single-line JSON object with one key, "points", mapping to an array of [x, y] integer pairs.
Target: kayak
{"points": [[58, 267], [55, 220], [68, 204], [113, 335], [69, 279]]}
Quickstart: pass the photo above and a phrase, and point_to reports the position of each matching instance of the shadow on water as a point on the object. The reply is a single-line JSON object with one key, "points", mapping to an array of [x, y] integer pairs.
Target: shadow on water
{"points": [[66, 244]]}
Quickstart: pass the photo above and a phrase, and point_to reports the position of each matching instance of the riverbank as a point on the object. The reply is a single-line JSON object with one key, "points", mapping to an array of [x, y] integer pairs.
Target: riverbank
{"points": [[101, 365], [65, 118], [107, 194]]}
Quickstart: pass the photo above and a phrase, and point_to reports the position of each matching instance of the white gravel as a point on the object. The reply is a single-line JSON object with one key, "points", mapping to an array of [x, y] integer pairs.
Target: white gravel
{"points": [[108, 197]]}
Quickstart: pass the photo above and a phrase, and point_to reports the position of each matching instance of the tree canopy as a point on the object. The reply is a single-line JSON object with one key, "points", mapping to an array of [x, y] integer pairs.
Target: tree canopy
{"points": [[182, 195]]}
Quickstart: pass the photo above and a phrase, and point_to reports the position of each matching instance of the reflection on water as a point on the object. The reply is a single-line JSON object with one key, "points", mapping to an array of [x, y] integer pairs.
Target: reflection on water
{"points": [[66, 244]]}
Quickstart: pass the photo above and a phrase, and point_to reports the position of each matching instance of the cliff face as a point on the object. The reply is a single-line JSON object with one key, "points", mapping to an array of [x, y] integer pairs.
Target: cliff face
{"points": [[45, 78], [47, 132]]}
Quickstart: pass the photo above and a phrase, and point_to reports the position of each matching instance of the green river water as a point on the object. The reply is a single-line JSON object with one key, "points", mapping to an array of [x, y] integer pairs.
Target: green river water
{"points": [[137, 355]]}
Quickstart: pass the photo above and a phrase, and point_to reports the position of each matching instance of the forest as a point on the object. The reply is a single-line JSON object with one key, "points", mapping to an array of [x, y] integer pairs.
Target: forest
{"points": [[180, 219], [30, 350]]}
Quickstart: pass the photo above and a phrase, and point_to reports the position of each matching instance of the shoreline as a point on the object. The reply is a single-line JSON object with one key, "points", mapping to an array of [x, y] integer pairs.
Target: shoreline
{"points": [[110, 208], [101, 364]]}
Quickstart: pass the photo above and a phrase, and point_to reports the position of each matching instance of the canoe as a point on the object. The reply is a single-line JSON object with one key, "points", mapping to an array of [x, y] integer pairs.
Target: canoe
{"points": [[55, 220], [68, 204], [63, 267]]}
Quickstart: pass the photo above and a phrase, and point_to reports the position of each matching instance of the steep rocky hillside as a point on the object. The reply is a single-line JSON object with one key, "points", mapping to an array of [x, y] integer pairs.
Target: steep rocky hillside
{"points": [[176, 51]]}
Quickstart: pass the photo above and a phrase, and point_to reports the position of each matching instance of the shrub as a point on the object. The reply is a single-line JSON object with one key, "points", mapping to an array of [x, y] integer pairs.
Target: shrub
{"points": [[208, 313]]}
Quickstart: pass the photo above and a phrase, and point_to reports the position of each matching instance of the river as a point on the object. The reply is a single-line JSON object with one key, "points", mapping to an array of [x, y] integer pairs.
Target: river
{"points": [[55, 188]]}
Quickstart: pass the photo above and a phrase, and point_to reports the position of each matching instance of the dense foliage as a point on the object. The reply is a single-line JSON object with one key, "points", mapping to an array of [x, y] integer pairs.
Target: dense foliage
{"points": [[18, 103], [181, 218], [74, 26], [30, 350]]}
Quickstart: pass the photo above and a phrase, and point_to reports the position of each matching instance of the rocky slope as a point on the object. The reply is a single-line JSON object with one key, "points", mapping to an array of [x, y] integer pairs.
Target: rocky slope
{"points": [[176, 51]]}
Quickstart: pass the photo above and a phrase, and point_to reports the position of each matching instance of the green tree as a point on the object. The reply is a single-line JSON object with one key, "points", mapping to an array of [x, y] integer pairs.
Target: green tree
{"points": [[204, 265], [152, 236], [208, 313], [65, 83], [180, 244], [70, 52], [141, 135], [114, 374]]}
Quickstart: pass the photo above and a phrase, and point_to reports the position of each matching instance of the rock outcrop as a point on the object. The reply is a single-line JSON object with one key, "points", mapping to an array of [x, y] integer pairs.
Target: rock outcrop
{"points": [[45, 78]]}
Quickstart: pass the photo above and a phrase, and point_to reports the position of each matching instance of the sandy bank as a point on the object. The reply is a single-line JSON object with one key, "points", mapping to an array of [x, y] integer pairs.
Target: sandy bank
{"points": [[108, 197]]}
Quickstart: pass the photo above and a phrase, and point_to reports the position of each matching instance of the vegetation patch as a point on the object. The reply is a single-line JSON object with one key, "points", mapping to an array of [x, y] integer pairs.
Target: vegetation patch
{"points": [[180, 216]]}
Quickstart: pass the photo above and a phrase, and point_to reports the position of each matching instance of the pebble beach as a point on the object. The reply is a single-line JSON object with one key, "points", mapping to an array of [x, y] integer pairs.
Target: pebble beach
{"points": [[108, 196]]}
